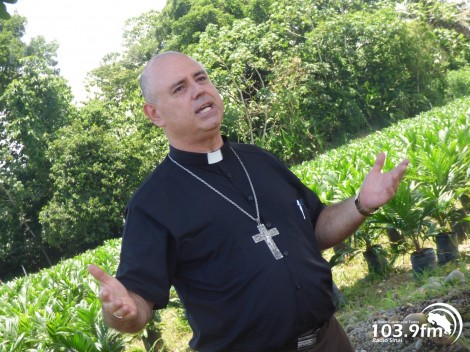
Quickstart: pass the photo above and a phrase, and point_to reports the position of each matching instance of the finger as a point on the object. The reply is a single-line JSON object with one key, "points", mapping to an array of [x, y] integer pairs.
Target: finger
{"points": [[120, 309], [379, 162], [112, 306], [122, 313], [104, 295], [127, 311], [404, 164], [400, 169], [114, 311], [98, 273]]}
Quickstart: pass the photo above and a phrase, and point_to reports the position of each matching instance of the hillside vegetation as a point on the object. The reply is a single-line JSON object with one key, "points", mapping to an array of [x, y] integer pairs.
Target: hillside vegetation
{"points": [[57, 309], [298, 78]]}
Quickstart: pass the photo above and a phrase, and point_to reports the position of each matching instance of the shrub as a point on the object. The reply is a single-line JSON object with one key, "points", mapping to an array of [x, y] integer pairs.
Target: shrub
{"points": [[458, 83]]}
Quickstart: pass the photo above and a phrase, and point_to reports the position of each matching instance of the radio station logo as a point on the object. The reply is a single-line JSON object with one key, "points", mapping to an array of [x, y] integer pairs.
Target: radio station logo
{"points": [[436, 320], [446, 317]]}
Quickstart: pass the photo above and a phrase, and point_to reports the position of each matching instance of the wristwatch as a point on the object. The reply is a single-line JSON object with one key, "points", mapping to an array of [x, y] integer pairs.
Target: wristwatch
{"points": [[361, 209]]}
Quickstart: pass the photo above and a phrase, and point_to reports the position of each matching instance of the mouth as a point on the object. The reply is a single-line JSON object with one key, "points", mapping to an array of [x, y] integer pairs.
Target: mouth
{"points": [[204, 108]]}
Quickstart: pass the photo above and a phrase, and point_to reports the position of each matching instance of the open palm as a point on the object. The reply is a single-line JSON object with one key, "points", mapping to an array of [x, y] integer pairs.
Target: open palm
{"points": [[378, 188]]}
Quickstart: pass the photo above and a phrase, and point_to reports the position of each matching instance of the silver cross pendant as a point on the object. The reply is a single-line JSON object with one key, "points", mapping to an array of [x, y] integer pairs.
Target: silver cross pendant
{"points": [[267, 236]]}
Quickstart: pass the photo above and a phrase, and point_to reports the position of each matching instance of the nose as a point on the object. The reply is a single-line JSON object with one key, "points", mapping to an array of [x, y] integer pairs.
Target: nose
{"points": [[197, 90]]}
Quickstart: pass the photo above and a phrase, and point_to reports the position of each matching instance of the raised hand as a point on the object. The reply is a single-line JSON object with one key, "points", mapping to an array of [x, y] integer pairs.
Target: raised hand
{"points": [[378, 188], [116, 301]]}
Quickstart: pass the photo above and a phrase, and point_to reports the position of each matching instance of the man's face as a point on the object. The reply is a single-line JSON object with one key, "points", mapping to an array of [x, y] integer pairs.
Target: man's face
{"points": [[187, 105]]}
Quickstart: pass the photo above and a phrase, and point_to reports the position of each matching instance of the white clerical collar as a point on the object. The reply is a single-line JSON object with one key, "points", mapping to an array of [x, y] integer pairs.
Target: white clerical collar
{"points": [[214, 157]]}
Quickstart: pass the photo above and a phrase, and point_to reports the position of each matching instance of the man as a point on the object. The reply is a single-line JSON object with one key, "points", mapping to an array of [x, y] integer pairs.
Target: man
{"points": [[231, 228]]}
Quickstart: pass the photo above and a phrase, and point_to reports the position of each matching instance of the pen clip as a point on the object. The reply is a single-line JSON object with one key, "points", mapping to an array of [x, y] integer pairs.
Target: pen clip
{"points": [[301, 208]]}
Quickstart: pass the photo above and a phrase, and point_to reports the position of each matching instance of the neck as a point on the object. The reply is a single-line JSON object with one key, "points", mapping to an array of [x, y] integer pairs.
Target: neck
{"points": [[198, 146]]}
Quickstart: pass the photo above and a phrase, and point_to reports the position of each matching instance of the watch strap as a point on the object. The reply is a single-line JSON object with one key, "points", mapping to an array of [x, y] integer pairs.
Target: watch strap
{"points": [[361, 209]]}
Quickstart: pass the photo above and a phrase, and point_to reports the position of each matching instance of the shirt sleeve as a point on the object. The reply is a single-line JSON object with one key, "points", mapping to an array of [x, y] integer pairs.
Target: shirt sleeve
{"points": [[148, 257], [313, 202]]}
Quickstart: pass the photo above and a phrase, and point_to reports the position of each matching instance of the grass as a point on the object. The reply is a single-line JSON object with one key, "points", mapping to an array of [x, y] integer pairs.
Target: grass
{"points": [[366, 294], [176, 332]]}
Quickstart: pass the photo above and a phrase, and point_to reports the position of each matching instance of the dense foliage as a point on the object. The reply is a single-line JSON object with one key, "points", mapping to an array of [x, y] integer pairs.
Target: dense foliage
{"points": [[297, 77], [432, 198], [35, 102], [58, 308], [3, 9]]}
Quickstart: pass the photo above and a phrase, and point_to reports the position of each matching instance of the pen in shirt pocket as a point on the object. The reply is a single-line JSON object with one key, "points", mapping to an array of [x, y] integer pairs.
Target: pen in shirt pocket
{"points": [[300, 205]]}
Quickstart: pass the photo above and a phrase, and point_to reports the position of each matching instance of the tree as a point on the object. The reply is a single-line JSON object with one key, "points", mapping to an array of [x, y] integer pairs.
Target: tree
{"points": [[379, 67], [144, 36], [11, 49], [297, 77], [348, 71], [4, 15], [95, 168], [90, 182], [450, 23], [35, 103]]}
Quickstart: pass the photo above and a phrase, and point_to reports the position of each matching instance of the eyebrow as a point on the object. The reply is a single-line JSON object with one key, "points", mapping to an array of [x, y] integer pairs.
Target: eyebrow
{"points": [[197, 73]]}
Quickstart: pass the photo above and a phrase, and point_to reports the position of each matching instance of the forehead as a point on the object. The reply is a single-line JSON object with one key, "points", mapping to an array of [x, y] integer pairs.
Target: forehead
{"points": [[171, 69]]}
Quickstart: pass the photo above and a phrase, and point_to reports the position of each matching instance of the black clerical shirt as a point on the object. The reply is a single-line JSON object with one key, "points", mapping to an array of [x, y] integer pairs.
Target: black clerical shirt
{"points": [[237, 295]]}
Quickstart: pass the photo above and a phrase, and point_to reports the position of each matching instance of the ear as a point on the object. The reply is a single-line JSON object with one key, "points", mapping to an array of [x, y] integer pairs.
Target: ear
{"points": [[154, 116]]}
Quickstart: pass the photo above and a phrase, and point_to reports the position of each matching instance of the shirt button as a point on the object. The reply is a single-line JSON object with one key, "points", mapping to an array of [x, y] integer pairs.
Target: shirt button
{"points": [[229, 174], [250, 198], [298, 286], [268, 224], [286, 253]]}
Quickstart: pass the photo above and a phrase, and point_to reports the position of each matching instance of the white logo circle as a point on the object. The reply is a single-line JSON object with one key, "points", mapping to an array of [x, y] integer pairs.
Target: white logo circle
{"points": [[449, 327]]}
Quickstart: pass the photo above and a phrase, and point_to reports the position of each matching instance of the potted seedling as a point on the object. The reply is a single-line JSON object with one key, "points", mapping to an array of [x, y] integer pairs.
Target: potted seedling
{"points": [[408, 212], [366, 238], [445, 214], [343, 252], [443, 172], [398, 245]]}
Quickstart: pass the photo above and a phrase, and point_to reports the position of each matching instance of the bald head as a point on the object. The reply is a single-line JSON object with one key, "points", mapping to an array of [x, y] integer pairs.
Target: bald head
{"points": [[181, 99], [154, 64]]}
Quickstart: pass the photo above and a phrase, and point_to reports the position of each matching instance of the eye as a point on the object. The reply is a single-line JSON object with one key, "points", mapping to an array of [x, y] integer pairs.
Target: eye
{"points": [[201, 78], [178, 89]]}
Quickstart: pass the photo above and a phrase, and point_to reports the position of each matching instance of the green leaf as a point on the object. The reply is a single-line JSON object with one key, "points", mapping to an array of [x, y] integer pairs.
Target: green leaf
{"points": [[4, 15]]}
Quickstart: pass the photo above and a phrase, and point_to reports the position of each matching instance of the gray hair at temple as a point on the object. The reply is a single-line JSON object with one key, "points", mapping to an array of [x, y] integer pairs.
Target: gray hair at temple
{"points": [[146, 78]]}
